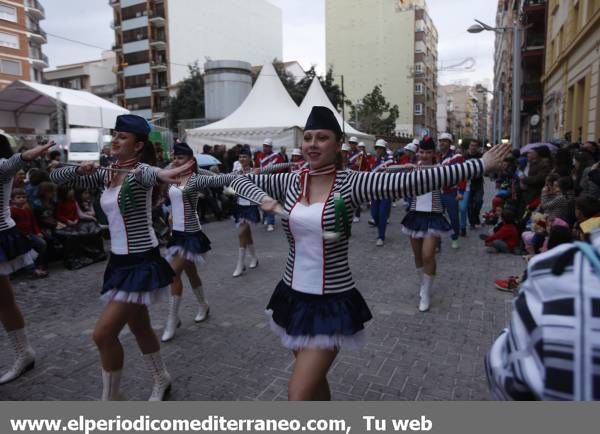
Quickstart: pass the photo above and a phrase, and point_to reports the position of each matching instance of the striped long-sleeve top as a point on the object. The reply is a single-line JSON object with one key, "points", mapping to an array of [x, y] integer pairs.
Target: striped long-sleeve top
{"points": [[354, 188], [135, 201], [184, 199], [551, 347], [8, 168]]}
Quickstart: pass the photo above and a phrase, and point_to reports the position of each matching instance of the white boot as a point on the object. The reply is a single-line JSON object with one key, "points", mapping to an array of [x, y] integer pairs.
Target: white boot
{"points": [[25, 357], [240, 268], [111, 381], [425, 292], [160, 377], [252, 255], [173, 321], [204, 308]]}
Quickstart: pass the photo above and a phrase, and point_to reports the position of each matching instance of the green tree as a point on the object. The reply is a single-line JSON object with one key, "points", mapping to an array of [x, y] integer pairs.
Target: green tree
{"points": [[188, 103], [375, 115], [332, 89], [289, 81]]}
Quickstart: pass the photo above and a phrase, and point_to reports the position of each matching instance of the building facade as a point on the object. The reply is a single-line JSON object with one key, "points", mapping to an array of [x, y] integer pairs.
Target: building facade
{"points": [[571, 76], [96, 76], [156, 40], [464, 112], [21, 40], [392, 43]]}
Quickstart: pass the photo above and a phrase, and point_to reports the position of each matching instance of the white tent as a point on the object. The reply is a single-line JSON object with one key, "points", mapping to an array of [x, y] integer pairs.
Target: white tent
{"points": [[268, 111], [28, 105], [316, 96]]}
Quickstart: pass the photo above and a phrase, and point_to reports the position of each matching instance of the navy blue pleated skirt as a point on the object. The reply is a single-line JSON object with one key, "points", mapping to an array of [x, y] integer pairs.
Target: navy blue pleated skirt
{"points": [[246, 214], [139, 278], [425, 224], [329, 321], [195, 243], [15, 251]]}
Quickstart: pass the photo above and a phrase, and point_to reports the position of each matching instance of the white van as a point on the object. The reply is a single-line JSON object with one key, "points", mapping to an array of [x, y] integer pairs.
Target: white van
{"points": [[85, 144]]}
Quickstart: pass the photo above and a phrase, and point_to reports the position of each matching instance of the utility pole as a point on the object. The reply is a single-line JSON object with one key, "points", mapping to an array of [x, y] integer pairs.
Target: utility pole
{"points": [[515, 132]]}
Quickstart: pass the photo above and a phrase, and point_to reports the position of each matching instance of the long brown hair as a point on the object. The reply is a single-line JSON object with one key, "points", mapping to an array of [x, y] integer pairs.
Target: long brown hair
{"points": [[148, 153]]}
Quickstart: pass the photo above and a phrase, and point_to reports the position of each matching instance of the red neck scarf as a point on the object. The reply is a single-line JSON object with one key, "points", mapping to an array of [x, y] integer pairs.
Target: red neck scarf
{"points": [[126, 164], [305, 175]]}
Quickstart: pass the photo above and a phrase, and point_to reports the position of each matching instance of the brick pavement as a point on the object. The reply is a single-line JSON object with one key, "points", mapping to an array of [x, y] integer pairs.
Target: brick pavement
{"points": [[234, 356]]}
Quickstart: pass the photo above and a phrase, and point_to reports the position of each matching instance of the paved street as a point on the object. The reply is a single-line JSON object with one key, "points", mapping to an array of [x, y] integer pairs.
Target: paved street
{"points": [[234, 356]]}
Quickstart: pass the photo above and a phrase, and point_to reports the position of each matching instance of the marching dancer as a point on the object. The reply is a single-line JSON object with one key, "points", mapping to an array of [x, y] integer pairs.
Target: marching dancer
{"points": [[245, 213], [16, 252], [188, 243], [263, 159], [380, 208], [425, 224], [136, 275], [316, 309]]}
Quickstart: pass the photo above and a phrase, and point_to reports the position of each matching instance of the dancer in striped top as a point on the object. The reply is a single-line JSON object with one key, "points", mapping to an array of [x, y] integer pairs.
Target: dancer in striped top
{"points": [[189, 243], [425, 224], [136, 274], [316, 309], [15, 253]]}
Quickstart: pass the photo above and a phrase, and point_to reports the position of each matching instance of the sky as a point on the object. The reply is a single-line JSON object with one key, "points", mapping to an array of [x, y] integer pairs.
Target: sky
{"points": [[303, 33]]}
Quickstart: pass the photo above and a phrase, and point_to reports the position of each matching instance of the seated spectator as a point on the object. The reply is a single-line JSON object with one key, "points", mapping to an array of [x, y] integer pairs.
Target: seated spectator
{"points": [[558, 199], [33, 179], [505, 238], [533, 239], [26, 223], [19, 180], [44, 209], [549, 349], [587, 214]]}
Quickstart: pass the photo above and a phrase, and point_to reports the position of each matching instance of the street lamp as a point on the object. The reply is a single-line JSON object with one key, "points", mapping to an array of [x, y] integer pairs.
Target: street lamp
{"points": [[516, 90]]}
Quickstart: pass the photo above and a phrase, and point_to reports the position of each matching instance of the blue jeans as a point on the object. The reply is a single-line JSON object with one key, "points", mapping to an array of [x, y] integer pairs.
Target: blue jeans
{"points": [[38, 243], [451, 207], [380, 211], [464, 207], [270, 218]]}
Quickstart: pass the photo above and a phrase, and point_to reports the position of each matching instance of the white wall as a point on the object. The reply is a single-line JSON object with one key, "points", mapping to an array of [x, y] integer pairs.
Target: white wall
{"points": [[250, 31], [373, 42]]}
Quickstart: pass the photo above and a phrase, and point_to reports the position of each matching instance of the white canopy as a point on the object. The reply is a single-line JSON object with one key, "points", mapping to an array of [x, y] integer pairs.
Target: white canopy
{"points": [[316, 96], [24, 104], [267, 112]]}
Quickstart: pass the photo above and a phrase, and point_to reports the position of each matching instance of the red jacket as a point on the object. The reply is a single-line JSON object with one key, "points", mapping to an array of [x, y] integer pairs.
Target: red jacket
{"points": [[453, 158], [507, 233], [67, 210], [25, 220], [263, 160]]}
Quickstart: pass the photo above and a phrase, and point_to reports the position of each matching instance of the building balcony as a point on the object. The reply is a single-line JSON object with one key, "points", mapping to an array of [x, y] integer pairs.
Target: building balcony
{"points": [[159, 43], [160, 88], [39, 60], [37, 35], [159, 65], [35, 10], [114, 3], [531, 7], [136, 46], [157, 18]]}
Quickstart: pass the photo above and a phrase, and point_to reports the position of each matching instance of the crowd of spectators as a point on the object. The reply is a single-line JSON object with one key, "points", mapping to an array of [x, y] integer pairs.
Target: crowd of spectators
{"points": [[547, 196]]}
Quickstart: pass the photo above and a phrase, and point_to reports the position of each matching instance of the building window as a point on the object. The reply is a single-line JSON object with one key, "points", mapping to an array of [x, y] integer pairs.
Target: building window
{"points": [[419, 67], [10, 67], [419, 89], [418, 109], [8, 13], [9, 40]]}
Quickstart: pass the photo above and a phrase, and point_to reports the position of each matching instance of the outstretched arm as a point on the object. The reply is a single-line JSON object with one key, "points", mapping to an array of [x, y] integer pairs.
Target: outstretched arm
{"points": [[78, 176], [10, 166], [274, 185], [369, 186]]}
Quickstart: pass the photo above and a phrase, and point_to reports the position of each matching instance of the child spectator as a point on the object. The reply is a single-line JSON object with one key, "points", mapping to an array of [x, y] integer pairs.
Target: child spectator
{"points": [[587, 213], [26, 223], [505, 238], [558, 199], [66, 209]]}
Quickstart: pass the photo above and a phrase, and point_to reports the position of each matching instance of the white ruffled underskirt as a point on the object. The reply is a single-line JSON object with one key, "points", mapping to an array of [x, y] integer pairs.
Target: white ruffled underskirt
{"points": [[25, 260], [423, 234], [355, 342], [244, 221], [197, 258], [146, 298]]}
